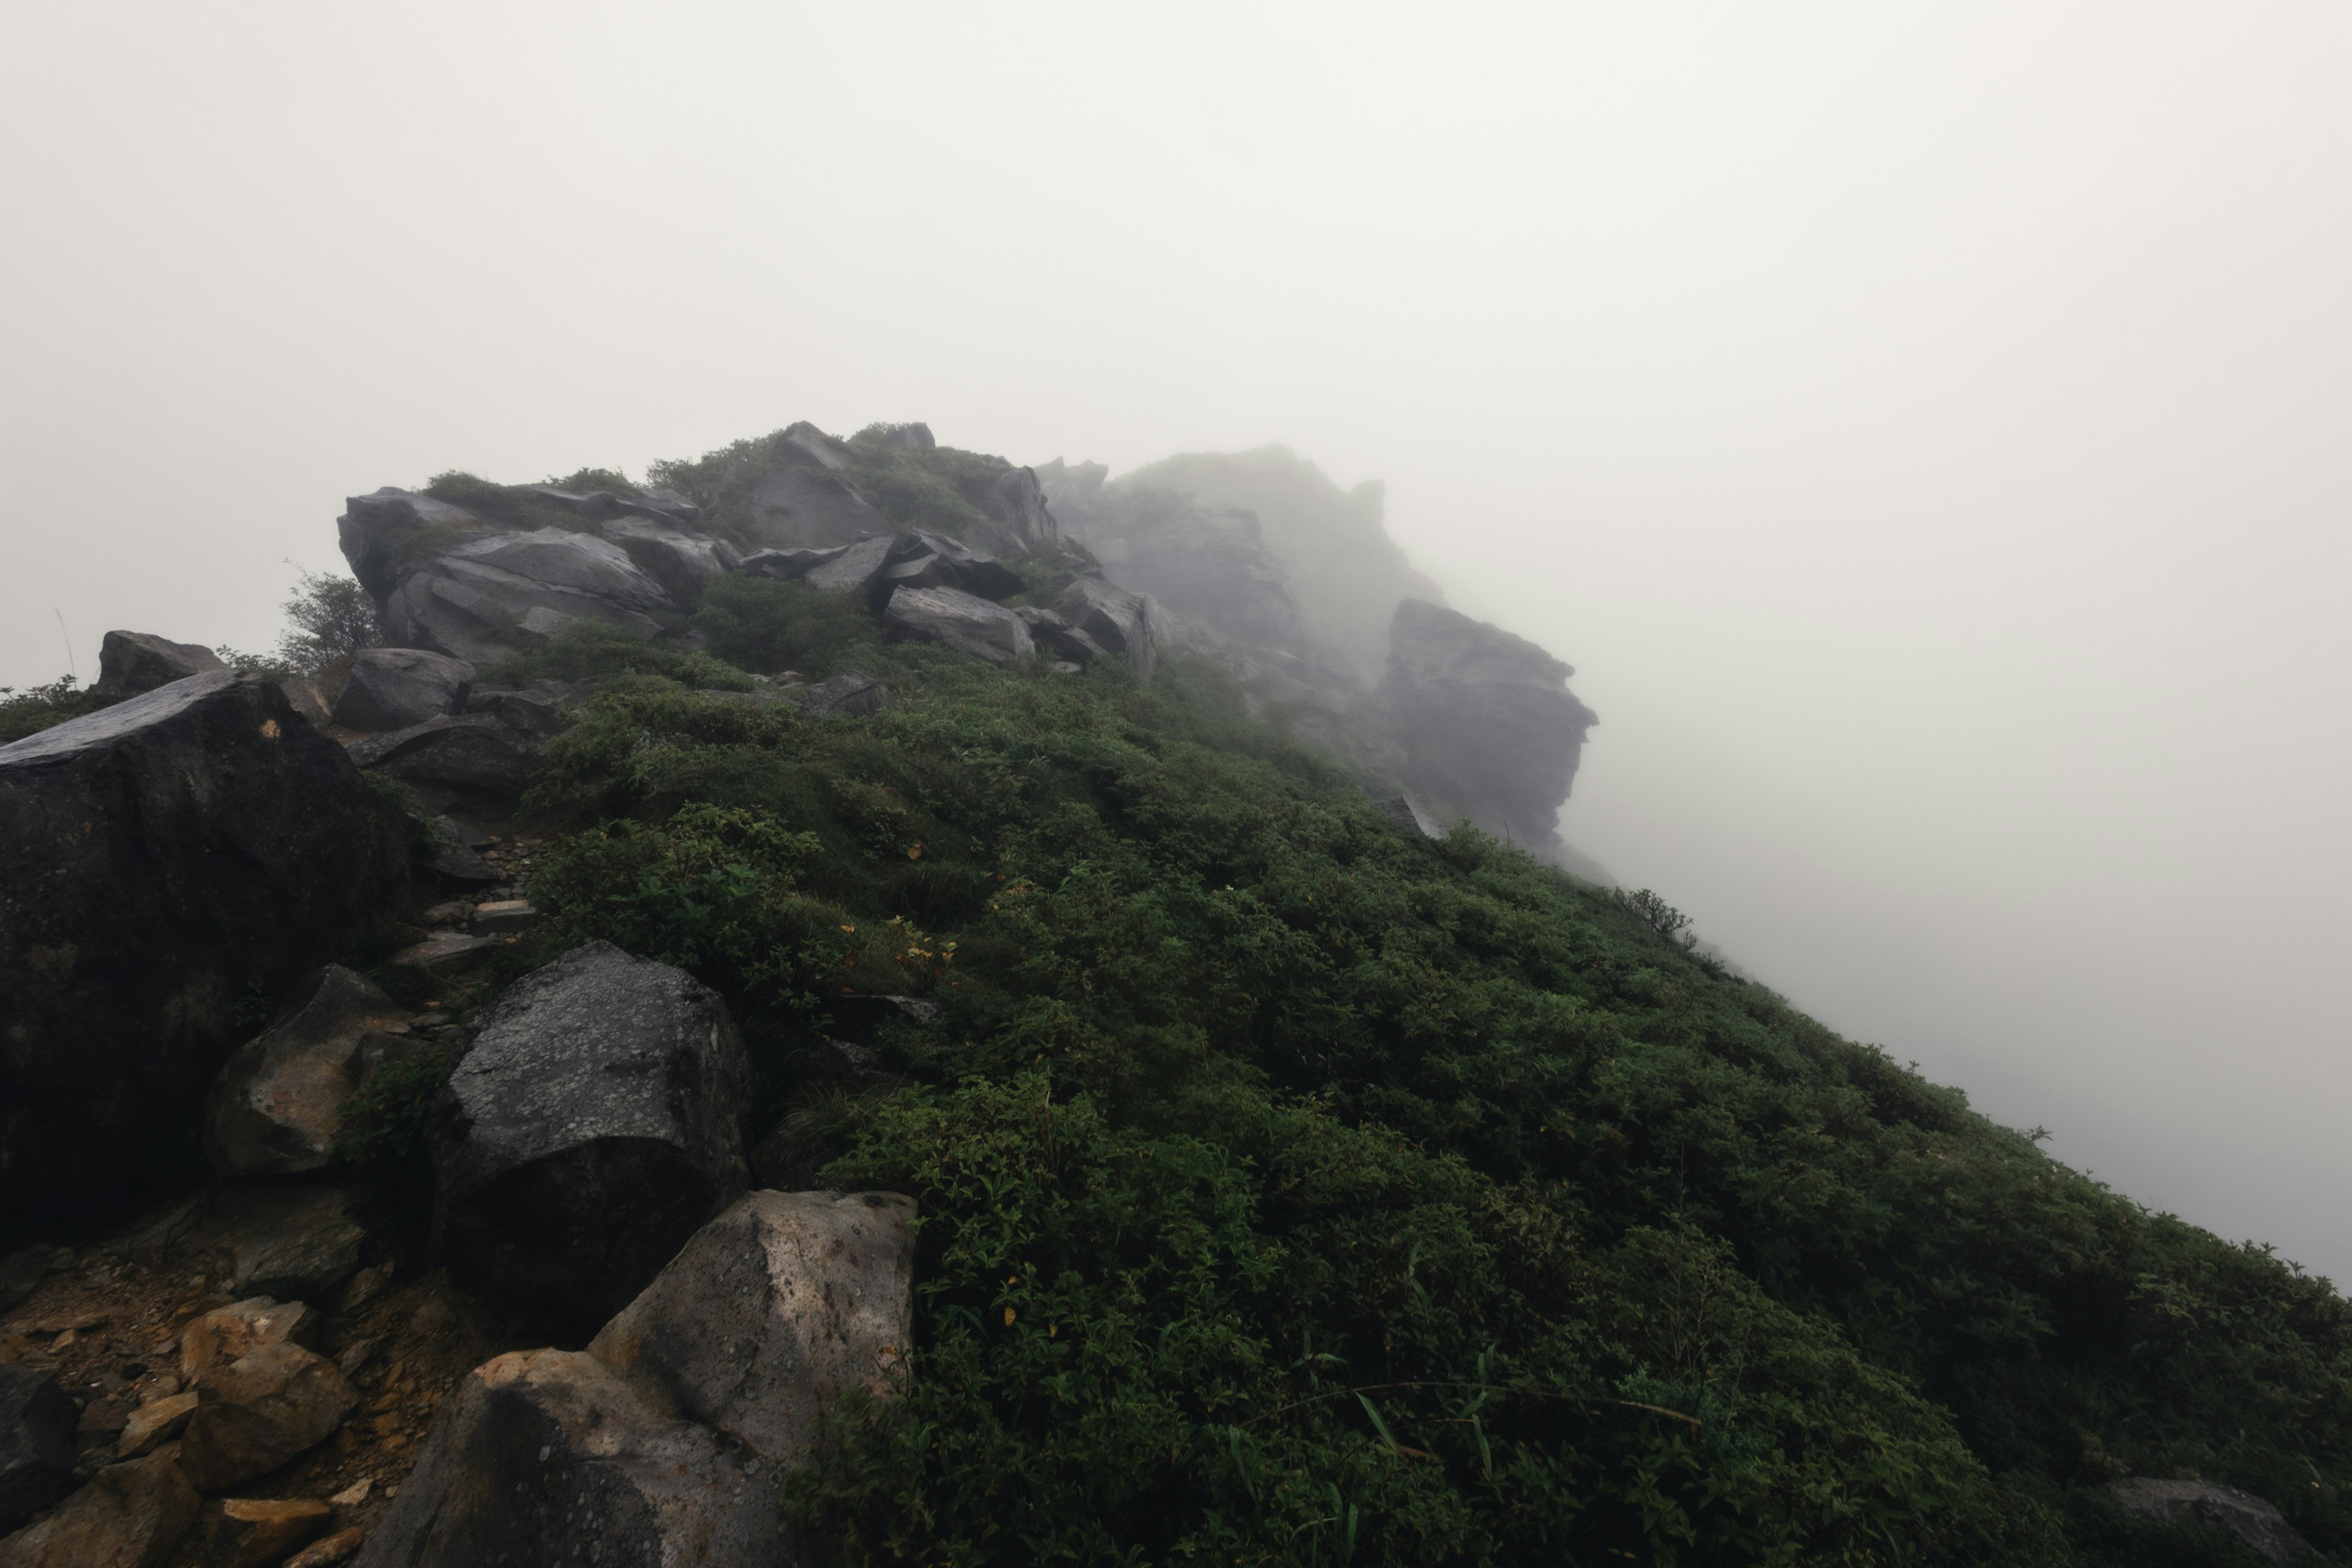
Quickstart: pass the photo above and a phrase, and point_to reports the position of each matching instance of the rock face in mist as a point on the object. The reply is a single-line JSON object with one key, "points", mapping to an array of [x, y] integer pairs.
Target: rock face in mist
{"points": [[131, 662], [168, 860], [1485, 719]]}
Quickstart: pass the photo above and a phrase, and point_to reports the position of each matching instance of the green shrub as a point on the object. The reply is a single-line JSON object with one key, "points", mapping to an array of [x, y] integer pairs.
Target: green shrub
{"points": [[582, 648], [38, 708], [383, 1123], [763, 624]]}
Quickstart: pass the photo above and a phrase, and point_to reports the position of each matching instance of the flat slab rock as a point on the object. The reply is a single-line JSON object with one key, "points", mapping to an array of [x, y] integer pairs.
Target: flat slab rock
{"points": [[171, 858], [958, 620], [2248, 1517], [393, 688], [133, 662], [594, 1125]]}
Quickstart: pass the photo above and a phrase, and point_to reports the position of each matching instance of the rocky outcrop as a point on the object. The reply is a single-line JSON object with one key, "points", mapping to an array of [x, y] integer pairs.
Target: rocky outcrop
{"points": [[1022, 523], [960, 621], [2245, 1515], [276, 1105], [851, 568], [393, 688], [547, 1458], [1114, 619], [260, 1409], [1487, 725], [681, 561], [925, 560], [1056, 639], [129, 1516], [166, 862], [1207, 564], [597, 1122], [472, 600], [37, 1444], [771, 1313], [476, 761], [278, 1238], [812, 505], [131, 662]]}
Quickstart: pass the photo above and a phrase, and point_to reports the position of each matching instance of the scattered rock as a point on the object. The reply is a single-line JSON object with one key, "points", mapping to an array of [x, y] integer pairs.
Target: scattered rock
{"points": [[770, 1313], [1117, 620], [338, 1547], [1056, 638], [958, 620], [449, 953], [594, 1126], [852, 568], [504, 916], [393, 688], [850, 693], [129, 1516], [2250, 1518], [226, 1334], [131, 662], [355, 1494], [276, 1105], [171, 859], [1485, 719], [38, 1424], [925, 560], [260, 1410], [788, 566], [279, 1239], [542, 1457], [528, 712], [261, 1532], [157, 1421]]}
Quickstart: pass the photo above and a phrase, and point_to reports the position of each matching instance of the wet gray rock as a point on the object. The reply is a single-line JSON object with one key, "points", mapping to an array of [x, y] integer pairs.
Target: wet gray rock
{"points": [[280, 1239], [37, 1444], [1408, 810], [1115, 619], [594, 1125], [131, 662], [664, 506], [1486, 721], [1209, 564], [853, 568], [771, 1313], [533, 713], [820, 447], [475, 755], [384, 534], [1056, 639], [788, 566], [129, 1516], [848, 693], [960, 621], [1017, 504], [683, 562], [543, 1458], [166, 860], [393, 688], [479, 599], [921, 559], [2245, 1515], [276, 1105], [811, 506]]}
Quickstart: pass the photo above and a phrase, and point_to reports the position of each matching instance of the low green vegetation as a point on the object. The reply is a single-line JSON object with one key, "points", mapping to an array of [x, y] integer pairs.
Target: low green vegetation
{"points": [[1296, 1189], [37, 707]]}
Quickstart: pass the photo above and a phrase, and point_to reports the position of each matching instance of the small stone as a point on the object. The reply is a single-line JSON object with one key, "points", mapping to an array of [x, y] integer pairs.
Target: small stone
{"points": [[154, 1421], [366, 1286], [335, 1548], [448, 952], [450, 912], [259, 1411], [432, 1318], [225, 1334], [355, 1494], [259, 1532], [504, 916]]}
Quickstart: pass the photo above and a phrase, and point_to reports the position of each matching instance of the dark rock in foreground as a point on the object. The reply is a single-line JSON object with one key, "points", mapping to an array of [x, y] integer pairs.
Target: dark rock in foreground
{"points": [[276, 1105], [129, 1515], [597, 1122], [168, 862], [393, 688], [37, 1444], [131, 662]]}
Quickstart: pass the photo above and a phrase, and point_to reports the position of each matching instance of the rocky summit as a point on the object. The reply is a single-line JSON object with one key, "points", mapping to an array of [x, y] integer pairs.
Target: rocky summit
{"points": [[856, 1001]]}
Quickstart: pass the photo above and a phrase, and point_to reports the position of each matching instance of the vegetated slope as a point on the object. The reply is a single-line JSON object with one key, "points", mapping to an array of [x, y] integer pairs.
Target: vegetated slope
{"points": [[1296, 1189]]}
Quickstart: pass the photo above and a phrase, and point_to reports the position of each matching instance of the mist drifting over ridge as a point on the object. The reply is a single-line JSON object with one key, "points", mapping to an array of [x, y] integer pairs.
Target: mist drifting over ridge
{"points": [[1918, 432]]}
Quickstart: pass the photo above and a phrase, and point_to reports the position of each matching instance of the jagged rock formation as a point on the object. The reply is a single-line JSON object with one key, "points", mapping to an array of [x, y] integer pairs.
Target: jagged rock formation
{"points": [[131, 662], [165, 860]]}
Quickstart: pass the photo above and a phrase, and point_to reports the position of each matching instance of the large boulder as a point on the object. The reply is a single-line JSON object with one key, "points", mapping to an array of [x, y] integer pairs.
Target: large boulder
{"points": [[1056, 639], [131, 662], [169, 861], [276, 1105], [960, 621], [385, 535], [1017, 503], [1487, 723], [129, 1516], [37, 1444], [812, 505], [771, 1313], [472, 601], [292, 1239], [846, 693], [2249, 1518], [813, 443], [1115, 619], [682, 562], [854, 567], [594, 1125], [543, 1459], [477, 760], [260, 1409], [925, 560], [393, 688]]}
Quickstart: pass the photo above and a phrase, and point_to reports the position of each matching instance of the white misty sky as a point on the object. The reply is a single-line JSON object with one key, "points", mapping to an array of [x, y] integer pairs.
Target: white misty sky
{"points": [[1923, 427]]}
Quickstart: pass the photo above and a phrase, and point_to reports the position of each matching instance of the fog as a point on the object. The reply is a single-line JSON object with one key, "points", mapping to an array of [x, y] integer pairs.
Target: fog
{"points": [[1924, 428]]}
